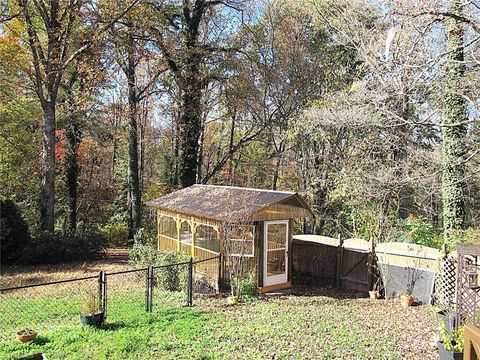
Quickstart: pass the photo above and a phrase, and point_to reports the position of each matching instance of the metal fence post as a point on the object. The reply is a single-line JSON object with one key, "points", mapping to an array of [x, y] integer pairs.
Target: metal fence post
{"points": [[103, 282], [147, 290], [100, 288], [190, 283], [219, 282], [150, 289]]}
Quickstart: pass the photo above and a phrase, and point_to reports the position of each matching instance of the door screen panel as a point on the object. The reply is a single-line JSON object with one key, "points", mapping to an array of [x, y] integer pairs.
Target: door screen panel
{"points": [[276, 248]]}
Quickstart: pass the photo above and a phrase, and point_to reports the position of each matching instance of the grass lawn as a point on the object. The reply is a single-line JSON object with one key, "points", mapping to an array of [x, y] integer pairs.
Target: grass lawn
{"points": [[323, 324]]}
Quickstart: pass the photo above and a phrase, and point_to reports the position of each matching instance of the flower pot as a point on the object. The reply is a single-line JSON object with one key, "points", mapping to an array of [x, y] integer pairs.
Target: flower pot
{"points": [[448, 355], [232, 300], [406, 300], [374, 294], [95, 320], [26, 335]]}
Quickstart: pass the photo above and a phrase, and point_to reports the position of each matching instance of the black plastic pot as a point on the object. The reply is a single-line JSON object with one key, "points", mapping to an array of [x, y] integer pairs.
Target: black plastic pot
{"points": [[447, 318], [448, 355], [95, 320]]}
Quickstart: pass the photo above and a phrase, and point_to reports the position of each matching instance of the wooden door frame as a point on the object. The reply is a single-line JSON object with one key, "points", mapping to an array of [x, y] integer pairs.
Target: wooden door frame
{"points": [[265, 252]]}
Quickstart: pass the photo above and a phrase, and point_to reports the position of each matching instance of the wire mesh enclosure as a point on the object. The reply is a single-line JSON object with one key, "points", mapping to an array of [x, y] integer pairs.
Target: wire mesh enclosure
{"points": [[123, 295], [468, 288]]}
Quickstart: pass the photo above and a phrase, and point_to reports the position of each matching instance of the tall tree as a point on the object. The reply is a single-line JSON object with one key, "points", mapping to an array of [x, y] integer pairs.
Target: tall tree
{"points": [[132, 53], [454, 125], [50, 27], [50, 58], [189, 46]]}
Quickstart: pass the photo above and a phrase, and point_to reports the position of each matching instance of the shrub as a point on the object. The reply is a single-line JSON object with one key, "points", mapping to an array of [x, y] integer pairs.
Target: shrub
{"points": [[248, 288], [469, 236], [171, 278], [14, 234], [115, 234], [46, 248], [417, 231], [454, 343]]}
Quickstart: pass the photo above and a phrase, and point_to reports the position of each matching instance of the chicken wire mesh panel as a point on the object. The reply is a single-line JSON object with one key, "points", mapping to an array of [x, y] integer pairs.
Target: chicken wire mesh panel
{"points": [[126, 294], [205, 278], [45, 307], [169, 286]]}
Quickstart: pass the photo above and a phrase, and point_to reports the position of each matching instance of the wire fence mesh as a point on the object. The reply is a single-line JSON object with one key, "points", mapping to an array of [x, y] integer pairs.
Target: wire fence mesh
{"points": [[126, 294], [122, 295], [43, 307]]}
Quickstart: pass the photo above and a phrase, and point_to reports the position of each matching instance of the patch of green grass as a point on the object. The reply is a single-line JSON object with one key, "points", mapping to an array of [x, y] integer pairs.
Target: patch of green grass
{"points": [[314, 327]]}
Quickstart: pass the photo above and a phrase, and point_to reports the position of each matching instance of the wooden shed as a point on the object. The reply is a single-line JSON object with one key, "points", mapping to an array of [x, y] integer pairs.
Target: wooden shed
{"points": [[194, 221]]}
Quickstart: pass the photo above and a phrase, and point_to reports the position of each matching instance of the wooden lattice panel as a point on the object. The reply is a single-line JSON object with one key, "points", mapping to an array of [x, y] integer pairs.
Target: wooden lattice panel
{"points": [[468, 299], [445, 283]]}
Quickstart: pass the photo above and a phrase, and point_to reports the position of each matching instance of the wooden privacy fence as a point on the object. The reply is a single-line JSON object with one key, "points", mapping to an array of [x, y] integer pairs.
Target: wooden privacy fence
{"points": [[347, 262], [342, 261]]}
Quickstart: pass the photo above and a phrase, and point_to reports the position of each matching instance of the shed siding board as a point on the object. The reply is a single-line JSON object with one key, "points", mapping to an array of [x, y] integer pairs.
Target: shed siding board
{"points": [[290, 244], [260, 241]]}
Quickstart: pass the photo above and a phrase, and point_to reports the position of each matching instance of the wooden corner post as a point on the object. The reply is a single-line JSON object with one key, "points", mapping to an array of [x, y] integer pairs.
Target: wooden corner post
{"points": [[338, 281]]}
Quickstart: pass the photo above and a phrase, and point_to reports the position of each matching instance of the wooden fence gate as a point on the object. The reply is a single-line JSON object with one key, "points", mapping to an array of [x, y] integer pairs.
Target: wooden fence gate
{"points": [[353, 268]]}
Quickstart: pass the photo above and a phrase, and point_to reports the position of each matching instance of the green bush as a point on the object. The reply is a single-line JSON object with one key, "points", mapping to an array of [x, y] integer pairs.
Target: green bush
{"points": [[14, 234], [248, 287], [115, 234], [46, 248], [469, 236], [171, 278], [417, 231], [455, 342]]}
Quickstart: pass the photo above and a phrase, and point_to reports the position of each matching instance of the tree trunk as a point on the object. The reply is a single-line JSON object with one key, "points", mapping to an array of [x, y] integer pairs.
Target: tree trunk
{"points": [[455, 112], [176, 151], [135, 202], [72, 169], [230, 147], [47, 194], [190, 124], [201, 140], [276, 171]]}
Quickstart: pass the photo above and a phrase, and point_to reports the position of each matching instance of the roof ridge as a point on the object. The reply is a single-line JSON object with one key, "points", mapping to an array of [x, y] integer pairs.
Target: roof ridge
{"points": [[246, 188]]}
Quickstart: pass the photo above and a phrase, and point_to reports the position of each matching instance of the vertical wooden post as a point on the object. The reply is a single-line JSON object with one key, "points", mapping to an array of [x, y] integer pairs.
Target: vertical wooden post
{"points": [[370, 265], [338, 282], [158, 229], [179, 234], [192, 230]]}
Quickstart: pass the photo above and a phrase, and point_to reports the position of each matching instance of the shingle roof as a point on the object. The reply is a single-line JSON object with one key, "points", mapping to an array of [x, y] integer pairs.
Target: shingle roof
{"points": [[224, 202]]}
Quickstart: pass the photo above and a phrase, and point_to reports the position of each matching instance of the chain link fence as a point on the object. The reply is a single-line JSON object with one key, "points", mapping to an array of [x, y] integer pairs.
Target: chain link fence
{"points": [[123, 295], [44, 306]]}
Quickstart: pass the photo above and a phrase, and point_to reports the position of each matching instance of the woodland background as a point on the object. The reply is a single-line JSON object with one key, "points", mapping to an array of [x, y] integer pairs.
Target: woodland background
{"points": [[366, 108]]}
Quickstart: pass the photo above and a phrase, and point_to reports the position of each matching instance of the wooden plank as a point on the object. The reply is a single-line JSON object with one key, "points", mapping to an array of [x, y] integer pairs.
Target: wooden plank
{"points": [[354, 281], [472, 342], [357, 263], [276, 287], [289, 251], [338, 281]]}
